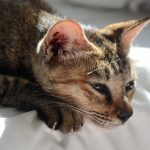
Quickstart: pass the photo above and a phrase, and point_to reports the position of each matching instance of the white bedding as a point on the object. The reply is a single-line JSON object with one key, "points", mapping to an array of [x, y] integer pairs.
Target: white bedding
{"points": [[23, 131]]}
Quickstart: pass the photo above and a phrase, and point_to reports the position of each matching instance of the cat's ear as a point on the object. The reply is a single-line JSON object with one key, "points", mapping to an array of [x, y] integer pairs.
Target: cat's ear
{"points": [[124, 33], [63, 37]]}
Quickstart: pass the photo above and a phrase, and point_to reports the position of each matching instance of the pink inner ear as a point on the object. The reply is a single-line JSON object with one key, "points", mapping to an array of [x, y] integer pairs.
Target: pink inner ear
{"points": [[66, 32], [128, 37], [58, 38]]}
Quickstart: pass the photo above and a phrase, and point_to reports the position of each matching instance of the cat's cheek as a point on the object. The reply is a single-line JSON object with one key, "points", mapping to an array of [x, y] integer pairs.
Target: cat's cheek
{"points": [[70, 93]]}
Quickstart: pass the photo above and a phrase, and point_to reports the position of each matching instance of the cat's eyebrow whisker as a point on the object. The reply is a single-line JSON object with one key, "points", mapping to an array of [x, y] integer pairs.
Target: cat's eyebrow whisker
{"points": [[92, 71]]}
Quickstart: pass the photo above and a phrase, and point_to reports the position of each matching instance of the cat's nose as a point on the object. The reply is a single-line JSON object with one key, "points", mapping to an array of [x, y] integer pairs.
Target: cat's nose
{"points": [[124, 116]]}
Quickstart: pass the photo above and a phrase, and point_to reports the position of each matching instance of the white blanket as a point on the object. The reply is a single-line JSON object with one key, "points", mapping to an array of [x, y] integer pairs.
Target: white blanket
{"points": [[23, 131]]}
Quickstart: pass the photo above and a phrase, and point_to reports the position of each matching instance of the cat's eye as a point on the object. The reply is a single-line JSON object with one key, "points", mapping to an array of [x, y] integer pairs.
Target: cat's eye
{"points": [[102, 89], [99, 87], [130, 85]]}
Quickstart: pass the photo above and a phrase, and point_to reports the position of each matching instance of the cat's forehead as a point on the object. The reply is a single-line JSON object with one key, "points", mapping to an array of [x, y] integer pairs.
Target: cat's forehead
{"points": [[107, 70], [113, 66], [112, 63], [100, 40]]}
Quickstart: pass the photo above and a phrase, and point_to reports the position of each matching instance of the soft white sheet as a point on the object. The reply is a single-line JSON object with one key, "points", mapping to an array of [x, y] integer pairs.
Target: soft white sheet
{"points": [[23, 131]]}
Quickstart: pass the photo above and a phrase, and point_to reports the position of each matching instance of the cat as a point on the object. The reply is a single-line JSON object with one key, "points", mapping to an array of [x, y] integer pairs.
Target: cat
{"points": [[63, 69]]}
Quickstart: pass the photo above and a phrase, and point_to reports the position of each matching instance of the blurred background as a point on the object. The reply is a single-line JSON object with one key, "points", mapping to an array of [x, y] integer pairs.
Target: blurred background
{"points": [[99, 13]]}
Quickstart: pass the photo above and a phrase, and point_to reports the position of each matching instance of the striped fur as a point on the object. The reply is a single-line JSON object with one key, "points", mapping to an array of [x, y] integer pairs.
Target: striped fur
{"points": [[54, 65]]}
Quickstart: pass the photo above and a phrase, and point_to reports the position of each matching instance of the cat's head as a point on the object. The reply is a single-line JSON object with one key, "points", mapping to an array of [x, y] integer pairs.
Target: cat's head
{"points": [[89, 68]]}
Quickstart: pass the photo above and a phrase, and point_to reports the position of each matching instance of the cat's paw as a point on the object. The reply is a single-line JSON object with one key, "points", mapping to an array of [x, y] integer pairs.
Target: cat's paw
{"points": [[63, 119]]}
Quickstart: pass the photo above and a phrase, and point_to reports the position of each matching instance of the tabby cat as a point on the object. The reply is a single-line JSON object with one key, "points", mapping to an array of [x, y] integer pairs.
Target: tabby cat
{"points": [[64, 70]]}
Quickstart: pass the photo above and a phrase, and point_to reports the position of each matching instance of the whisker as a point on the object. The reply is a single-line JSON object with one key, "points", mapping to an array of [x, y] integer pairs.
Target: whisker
{"points": [[102, 117], [99, 122], [71, 107], [99, 118], [44, 103], [92, 71], [94, 112]]}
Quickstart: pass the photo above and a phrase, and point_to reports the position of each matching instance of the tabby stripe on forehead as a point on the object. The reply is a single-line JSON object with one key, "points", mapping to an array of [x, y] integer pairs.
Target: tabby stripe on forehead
{"points": [[105, 74], [115, 67], [93, 38]]}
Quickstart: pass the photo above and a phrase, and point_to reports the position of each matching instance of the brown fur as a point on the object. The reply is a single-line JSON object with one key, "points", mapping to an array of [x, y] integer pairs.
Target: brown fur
{"points": [[52, 64]]}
